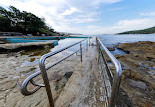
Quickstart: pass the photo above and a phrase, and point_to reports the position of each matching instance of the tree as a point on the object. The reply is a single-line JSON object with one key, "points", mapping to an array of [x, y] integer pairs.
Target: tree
{"points": [[5, 24], [22, 21]]}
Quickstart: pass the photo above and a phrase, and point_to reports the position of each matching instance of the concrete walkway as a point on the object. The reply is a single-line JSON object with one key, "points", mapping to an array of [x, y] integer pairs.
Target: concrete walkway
{"points": [[86, 86]]}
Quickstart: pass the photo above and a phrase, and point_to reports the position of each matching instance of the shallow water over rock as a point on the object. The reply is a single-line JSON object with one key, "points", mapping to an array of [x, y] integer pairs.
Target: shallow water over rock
{"points": [[137, 84], [118, 52]]}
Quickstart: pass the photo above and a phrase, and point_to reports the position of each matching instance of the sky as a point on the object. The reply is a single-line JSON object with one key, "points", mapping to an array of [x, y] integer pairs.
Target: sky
{"points": [[90, 16]]}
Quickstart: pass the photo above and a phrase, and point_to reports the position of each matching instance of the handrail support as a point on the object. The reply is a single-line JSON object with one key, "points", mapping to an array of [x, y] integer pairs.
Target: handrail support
{"points": [[81, 51], [46, 82]]}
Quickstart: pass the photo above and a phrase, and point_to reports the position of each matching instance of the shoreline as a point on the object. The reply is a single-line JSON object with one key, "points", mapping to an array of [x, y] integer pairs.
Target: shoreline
{"points": [[16, 66], [16, 47], [138, 77]]}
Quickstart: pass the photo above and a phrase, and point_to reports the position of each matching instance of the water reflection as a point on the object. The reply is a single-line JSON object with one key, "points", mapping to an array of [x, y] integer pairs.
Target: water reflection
{"points": [[118, 52], [66, 42]]}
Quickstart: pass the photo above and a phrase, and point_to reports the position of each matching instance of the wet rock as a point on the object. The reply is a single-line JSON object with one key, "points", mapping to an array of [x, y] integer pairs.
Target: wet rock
{"points": [[32, 59], [3, 40], [68, 74], [36, 51], [111, 48], [139, 47], [117, 56], [123, 100], [15, 47], [138, 77]]}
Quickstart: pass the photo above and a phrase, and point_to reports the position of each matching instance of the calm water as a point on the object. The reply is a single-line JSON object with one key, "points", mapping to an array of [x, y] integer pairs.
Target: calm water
{"points": [[66, 42], [117, 39], [110, 40]]}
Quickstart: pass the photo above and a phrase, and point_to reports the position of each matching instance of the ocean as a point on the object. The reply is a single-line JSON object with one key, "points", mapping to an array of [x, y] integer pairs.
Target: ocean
{"points": [[111, 40]]}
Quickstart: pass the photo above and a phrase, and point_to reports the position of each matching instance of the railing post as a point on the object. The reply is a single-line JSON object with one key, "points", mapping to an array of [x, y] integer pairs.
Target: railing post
{"points": [[96, 41], [99, 52], [99, 49], [46, 82], [81, 51], [87, 45], [89, 41]]}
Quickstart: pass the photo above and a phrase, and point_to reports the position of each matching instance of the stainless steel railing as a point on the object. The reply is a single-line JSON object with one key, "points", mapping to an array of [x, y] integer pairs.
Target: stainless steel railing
{"points": [[114, 79], [43, 70]]}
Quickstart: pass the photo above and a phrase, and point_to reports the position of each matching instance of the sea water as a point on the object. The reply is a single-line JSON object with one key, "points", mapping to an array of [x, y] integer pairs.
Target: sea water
{"points": [[112, 40]]}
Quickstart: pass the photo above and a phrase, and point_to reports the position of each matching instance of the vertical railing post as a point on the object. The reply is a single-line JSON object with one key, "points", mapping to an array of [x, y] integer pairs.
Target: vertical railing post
{"points": [[87, 44], [96, 41], [99, 52], [89, 41], [97, 44], [46, 81], [81, 51]]}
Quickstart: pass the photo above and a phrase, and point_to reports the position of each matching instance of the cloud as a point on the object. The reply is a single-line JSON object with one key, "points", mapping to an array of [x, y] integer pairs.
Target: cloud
{"points": [[135, 24], [69, 11], [120, 26], [98, 2], [148, 13], [125, 25], [63, 15]]}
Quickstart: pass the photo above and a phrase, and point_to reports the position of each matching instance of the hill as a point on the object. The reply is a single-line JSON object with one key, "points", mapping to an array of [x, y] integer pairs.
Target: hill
{"points": [[144, 31]]}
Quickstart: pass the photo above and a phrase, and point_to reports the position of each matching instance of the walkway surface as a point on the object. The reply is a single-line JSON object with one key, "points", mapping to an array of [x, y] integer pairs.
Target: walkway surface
{"points": [[86, 86]]}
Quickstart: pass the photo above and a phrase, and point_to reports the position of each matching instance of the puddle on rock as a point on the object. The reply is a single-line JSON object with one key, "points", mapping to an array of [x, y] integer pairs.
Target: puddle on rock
{"points": [[151, 68], [28, 73], [29, 63], [137, 84], [124, 67], [118, 52]]}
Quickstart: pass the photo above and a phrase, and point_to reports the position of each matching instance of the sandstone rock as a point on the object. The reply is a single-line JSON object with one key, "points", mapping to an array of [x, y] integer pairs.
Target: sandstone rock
{"points": [[14, 70], [138, 78]]}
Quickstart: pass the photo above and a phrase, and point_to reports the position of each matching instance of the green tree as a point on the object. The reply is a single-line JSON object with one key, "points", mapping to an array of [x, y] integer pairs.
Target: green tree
{"points": [[22, 21], [5, 24]]}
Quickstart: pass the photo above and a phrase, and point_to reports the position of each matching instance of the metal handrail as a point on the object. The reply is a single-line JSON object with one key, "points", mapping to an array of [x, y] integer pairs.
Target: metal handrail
{"points": [[117, 75], [114, 79], [43, 70]]}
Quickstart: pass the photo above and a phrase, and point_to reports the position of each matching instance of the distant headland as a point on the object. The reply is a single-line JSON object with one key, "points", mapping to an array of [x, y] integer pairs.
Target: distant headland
{"points": [[144, 31]]}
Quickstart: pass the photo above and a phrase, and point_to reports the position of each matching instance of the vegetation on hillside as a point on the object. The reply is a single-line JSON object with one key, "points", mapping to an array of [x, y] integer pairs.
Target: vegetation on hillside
{"points": [[145, 31], [14, 20]]}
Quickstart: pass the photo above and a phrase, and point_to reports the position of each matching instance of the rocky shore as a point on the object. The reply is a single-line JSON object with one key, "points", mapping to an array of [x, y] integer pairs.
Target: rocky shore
{"points": [[137, 85], [14, 47], [138, 78], [16, 66]]}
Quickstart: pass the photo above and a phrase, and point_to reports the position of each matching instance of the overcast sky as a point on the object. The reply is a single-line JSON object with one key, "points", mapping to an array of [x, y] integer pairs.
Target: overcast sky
{"points": [[90, 16]]}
